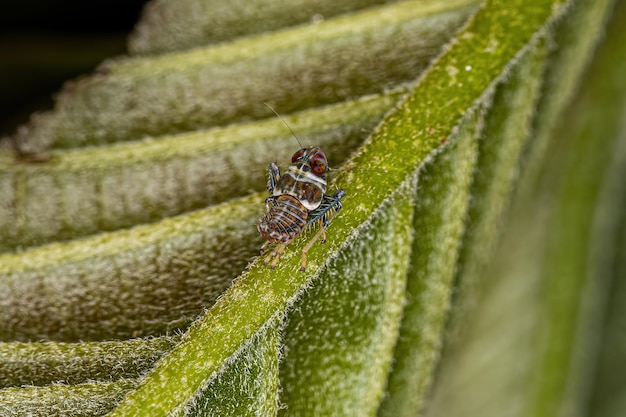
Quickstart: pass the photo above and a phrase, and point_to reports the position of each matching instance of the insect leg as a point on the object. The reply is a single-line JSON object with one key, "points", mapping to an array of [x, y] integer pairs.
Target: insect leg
{"points": [[321, 232], [265, 245], [274, 176], [275, 254], [324, 213]]}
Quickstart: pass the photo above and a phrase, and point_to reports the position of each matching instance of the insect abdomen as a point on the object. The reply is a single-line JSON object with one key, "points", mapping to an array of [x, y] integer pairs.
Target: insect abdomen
{"points": [[284, 220]]}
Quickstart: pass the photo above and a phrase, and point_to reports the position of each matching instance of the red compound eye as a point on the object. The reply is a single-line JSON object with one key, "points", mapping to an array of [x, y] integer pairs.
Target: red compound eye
{"points": [[318, 166], [297, 155]]}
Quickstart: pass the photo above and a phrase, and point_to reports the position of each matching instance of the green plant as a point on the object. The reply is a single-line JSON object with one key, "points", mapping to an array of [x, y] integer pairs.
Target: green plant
{"points": [[465, 211]]}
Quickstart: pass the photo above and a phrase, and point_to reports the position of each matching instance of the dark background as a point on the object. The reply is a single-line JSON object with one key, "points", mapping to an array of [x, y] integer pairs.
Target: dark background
{"points": [[44, 43]]}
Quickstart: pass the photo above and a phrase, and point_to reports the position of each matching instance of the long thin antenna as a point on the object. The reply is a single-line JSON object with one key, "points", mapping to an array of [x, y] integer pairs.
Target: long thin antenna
{"points": [[283, 120]]}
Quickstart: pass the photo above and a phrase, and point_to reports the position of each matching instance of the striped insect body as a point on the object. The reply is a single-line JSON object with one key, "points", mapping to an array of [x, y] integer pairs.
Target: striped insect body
{"points": [[297, 201]]}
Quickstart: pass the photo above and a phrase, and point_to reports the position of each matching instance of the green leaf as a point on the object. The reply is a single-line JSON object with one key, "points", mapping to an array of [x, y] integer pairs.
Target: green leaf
{"points": [[41, 364], [407, 273], [109, 187], [248, 385], [137, 97], [259, 294], [529, 342], [507, 127], [438, 222], [147, 280], [341, 331], [91, 399], [184, 24]]}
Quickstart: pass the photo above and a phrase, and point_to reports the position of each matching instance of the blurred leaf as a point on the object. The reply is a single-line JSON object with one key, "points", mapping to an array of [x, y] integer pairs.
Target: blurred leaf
{"points": [[83, 191], [529, 344], [177, 25], [129, 99]]}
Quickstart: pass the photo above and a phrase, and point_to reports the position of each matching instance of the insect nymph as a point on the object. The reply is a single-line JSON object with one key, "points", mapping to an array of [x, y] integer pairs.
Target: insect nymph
{"points": [[297, 200]]}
